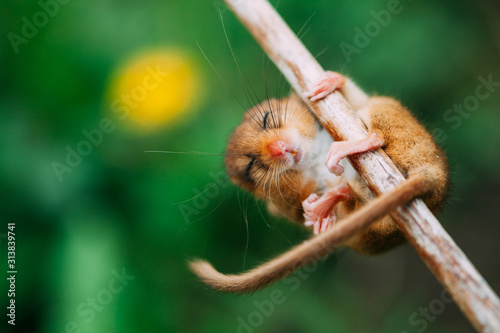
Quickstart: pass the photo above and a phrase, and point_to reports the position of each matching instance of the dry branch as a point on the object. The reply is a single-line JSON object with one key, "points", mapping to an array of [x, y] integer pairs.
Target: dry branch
{"points": [[436, 248]]}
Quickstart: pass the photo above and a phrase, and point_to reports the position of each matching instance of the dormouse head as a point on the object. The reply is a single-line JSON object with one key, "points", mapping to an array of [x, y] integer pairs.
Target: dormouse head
{"points": [[271, 141]]}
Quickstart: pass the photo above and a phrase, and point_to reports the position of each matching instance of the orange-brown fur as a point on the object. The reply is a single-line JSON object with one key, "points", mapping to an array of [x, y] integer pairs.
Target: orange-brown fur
{"points": [[406, 142], [283, 197], [413, 151]]}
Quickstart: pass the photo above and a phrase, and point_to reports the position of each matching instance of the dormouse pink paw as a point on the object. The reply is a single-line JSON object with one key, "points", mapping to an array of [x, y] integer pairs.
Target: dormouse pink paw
{"points": [[340, 149], [330, 82], [319, 211]]}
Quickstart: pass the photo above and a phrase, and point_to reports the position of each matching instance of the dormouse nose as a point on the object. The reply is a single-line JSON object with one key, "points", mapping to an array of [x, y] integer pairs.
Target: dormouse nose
{"points": [[277, 148]]}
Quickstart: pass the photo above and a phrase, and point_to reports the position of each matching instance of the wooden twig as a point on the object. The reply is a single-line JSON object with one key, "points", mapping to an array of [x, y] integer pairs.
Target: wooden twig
{"points": [[436, 248]]}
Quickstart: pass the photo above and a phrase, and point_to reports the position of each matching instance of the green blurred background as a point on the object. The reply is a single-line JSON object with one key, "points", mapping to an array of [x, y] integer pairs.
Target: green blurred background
{"points": [[123, 212]]}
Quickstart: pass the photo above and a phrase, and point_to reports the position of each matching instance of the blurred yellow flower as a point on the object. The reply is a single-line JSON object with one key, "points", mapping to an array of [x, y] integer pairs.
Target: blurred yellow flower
{"points": [[155, 88]]}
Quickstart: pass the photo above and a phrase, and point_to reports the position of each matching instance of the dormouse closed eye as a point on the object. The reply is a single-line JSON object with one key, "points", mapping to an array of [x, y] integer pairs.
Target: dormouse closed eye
{"points": [[270, 121], [249, 168], [265, 124]]}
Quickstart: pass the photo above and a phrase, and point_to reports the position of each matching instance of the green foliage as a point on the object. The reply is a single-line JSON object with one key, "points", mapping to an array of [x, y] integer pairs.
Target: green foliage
{"points": [[121, 208]]}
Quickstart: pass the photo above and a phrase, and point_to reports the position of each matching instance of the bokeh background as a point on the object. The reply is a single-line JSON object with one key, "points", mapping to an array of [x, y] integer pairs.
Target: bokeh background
{"points": [[133, 72]]}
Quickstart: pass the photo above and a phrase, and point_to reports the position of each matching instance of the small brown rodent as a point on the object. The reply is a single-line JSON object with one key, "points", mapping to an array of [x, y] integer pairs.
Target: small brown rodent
{"points": [[278, 153]]}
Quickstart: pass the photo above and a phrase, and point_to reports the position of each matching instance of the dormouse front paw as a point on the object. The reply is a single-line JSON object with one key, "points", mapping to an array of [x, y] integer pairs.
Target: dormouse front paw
{"points": [[340, 149], [330, 82]]}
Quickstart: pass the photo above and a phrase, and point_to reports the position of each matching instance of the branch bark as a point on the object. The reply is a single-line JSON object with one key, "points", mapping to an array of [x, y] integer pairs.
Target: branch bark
{"points": [[424, 232]]}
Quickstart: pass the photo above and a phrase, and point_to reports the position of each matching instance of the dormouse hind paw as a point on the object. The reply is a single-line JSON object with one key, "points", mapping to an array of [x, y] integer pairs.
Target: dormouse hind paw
{"points": [[319, 211]]}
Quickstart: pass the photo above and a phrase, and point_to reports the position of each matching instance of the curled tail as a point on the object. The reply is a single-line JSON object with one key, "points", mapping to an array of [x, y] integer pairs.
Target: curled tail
{"points": [[312, 249]]}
